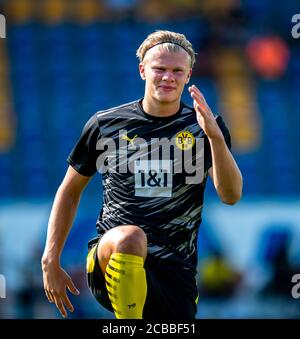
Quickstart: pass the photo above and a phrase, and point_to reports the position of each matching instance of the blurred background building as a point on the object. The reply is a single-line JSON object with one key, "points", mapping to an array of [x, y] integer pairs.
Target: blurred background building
{"points": [[63, 60]]}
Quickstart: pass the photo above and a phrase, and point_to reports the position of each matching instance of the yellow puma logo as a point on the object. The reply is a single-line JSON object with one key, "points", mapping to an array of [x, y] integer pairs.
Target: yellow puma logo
{"points": [[126, 137]]}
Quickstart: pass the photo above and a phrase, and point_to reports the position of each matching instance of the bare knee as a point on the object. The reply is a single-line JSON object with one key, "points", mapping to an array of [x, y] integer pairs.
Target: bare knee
{"points": [[129, 239]]}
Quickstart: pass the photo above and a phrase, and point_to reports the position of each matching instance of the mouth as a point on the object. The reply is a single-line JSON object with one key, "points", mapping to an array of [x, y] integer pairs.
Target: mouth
{"points": [[167, 88]]}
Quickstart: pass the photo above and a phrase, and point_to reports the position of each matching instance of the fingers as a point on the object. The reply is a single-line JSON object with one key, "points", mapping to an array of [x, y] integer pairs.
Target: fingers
{"points": [[199, 106], [194, 89], [55, 282], [197, 95], [59, 304], [49, 296], [200, 103], [61, 301], [72, 288], [67, 302]]}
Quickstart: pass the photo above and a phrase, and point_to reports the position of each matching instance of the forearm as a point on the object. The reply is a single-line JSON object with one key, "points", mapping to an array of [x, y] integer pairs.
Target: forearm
{"points": [[60, 222], [226, 174]]}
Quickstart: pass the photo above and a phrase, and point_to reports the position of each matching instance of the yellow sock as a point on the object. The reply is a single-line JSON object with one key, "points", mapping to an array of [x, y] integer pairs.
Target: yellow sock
{"points": [[126, 285]]}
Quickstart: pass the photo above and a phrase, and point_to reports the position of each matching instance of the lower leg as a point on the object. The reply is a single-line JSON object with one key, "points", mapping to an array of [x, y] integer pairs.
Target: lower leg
{"points": [[123, 261]]}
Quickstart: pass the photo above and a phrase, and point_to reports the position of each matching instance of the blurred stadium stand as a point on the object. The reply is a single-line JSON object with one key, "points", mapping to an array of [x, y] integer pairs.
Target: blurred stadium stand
{"points": [[64, 60], [62, 71]]}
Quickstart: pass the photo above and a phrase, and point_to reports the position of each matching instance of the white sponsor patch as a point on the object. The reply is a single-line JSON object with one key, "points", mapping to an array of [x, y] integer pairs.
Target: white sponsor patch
{"points": [[153, 178]]}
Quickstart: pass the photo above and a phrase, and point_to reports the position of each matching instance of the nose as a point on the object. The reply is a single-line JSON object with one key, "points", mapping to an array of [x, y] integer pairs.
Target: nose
{"points": [[168, 76]]}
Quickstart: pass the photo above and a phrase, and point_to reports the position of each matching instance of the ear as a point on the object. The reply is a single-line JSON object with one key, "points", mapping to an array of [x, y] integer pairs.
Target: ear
{"points": [[142, 71], [189, 76]]}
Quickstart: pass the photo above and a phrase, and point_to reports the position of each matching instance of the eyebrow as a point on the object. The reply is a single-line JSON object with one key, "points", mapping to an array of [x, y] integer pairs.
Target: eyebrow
{"points": [[164, 66]]}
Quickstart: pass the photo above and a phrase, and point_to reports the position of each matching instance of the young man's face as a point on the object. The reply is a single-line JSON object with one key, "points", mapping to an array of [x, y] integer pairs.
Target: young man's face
{"points": [[166, 74]]}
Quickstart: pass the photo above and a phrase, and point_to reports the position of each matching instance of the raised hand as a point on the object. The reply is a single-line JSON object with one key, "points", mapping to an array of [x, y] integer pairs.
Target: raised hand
{"points": [[205, 116]]}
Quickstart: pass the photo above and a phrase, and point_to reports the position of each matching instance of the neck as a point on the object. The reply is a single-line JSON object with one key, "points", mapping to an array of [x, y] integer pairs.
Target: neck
{"points": [[160, 109]]}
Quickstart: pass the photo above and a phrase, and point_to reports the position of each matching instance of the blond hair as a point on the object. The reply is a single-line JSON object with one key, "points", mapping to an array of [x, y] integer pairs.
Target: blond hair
{"points": [[170, 41]]}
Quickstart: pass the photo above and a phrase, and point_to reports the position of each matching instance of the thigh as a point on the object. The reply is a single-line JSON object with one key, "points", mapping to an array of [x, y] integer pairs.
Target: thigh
{"points": [[95, 277], [171, 291]]}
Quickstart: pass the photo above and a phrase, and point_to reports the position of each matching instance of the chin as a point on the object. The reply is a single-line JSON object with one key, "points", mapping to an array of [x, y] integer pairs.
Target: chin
{"points": [[166, 98]]}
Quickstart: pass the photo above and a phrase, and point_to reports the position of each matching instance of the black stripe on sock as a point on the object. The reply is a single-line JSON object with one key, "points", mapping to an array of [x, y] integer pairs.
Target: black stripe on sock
{"points": [[115, 310], [118, 261], [116, 269], [111, 277], [110, 285], [111, 295]]}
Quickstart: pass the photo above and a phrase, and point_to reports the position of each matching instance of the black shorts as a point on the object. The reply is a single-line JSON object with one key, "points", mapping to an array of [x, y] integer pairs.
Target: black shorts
{"points": [[171, 292]]}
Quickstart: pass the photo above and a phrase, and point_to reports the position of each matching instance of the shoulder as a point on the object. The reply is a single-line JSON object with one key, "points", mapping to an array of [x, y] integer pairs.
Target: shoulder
{"points": [[96, 120], [186, 109], [91, 126], [115, 111]]}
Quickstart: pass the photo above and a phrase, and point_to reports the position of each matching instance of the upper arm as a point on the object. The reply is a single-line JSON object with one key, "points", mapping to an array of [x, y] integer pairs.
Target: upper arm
{"points": [[84, 155], [73, 182], [211, 173]]}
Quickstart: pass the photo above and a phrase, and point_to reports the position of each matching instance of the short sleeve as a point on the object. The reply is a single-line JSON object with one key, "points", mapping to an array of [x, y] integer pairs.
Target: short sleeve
{"points": [[83, 156], [227, 137]]}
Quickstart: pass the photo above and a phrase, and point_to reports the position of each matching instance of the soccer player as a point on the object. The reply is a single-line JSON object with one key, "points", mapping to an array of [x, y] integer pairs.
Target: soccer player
{"points": [[155, 155]]}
